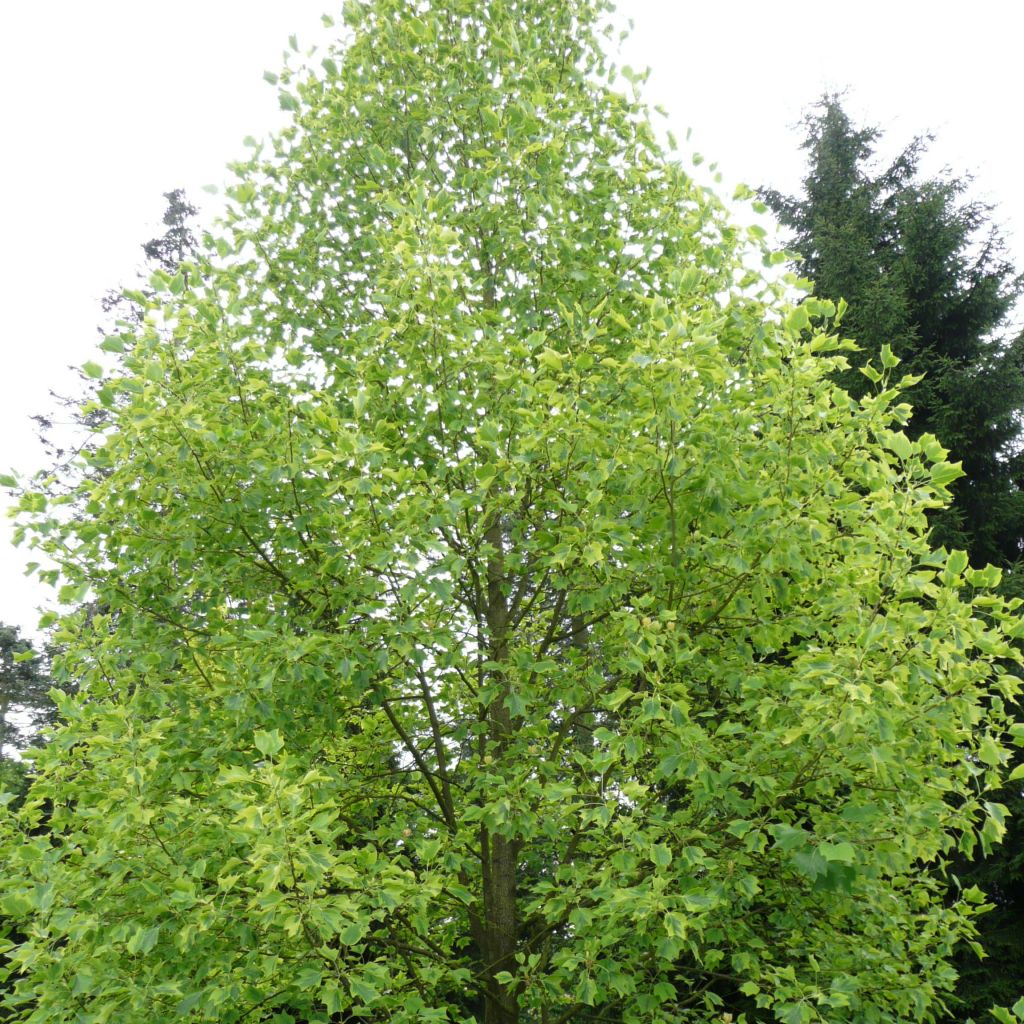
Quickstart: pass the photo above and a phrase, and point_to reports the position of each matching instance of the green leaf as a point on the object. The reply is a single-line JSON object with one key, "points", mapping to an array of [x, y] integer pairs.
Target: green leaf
{"points": [[843, 853], [269, 743], [308, 978], [586, 991], [698, 901], [461, 893], [675, 925], [661, 855], [551, 360], [364, 990], [957, 562], [144, 940], [186, 1005], [888, 359], [901, 445], [92, 369], [333, 998], [990, 752], [944, 473], [354, 933]]}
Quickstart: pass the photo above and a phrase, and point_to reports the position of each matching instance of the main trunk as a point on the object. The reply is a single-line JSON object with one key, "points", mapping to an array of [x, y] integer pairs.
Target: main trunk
{"points": [[498, 853]]}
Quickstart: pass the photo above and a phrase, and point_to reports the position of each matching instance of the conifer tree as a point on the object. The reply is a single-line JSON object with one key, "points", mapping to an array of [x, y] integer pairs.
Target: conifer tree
{"points": [[925, 271], [24, 702]]}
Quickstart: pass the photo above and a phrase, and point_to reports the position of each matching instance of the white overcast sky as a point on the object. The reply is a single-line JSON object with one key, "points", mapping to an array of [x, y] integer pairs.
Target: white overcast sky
{"points": [[109, 103]]}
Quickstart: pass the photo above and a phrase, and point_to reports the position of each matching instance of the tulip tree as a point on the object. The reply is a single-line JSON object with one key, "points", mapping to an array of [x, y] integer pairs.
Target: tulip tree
{"points": [[503, 616]]}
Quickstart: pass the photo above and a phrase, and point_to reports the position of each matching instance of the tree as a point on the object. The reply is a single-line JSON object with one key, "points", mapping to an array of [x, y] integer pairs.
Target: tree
{"points": [[125, 307], [507, 618], [24, 689], [24, 707], [925, 271]]}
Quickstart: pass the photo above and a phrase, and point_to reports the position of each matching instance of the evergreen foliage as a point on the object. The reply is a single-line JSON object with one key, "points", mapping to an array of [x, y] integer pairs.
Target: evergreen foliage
{"points": [[25, 705], [926, 272]]}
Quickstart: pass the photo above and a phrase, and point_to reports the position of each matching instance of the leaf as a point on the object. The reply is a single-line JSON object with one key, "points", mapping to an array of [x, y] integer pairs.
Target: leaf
{"points": [[461, 893], [186, 1005], [354, 933], [333, 998], [8, 480], [363, 990], [944, 473], [143, 940], [901, 444], [93, 370], [661, 855], [586, 991], [789, 838], [697, 902], [792, 1013], [957, 562], [990, 752], [843, 853], [888, 359], [675, 925], [308, 978], [269, 743], [551, 360]]}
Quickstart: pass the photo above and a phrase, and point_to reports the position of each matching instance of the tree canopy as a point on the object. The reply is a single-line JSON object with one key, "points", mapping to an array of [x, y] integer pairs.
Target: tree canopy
{"points": [[505, 616], [925, 271]]}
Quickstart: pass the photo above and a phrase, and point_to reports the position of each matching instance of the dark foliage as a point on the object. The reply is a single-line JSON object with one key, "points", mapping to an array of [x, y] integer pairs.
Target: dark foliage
{"points": [[925, 271]]}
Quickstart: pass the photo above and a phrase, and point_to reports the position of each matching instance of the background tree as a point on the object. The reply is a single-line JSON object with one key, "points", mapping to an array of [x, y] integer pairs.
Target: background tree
{"points": [[462, 497], [63, 432], [925, 271], [25, 705]]}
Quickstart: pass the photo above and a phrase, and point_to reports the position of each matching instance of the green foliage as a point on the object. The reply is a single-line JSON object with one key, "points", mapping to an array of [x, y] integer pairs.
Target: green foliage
{"points": [[925, 272], [25, 704], [928, 280], [504, 616]]}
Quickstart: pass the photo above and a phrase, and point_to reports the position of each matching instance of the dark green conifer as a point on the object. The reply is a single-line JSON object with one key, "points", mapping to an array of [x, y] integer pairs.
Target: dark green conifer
{"points": [[924, 270]]}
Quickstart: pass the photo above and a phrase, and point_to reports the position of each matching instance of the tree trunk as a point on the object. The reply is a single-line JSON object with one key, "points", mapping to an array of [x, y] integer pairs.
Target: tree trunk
{"points": [[498, 853]]}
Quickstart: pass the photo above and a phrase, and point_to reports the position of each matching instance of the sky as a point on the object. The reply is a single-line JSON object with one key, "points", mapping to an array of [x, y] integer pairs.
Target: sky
{"points": [[109, 104]]}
